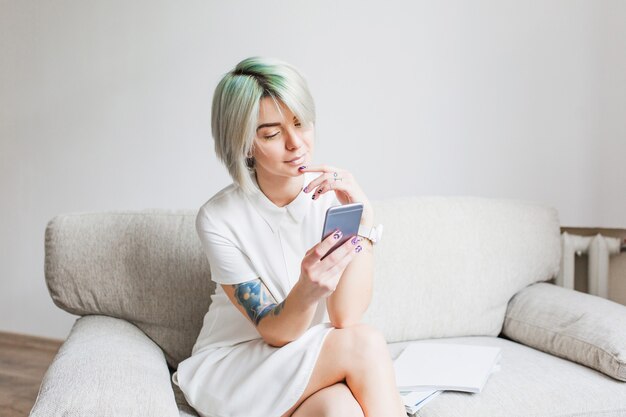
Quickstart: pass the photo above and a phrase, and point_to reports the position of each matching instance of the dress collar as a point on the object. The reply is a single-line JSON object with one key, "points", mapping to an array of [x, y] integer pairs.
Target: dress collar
{"points": [[274, 215]]}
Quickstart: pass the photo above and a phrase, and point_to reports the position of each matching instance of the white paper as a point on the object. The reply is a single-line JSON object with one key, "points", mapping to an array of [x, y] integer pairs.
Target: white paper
{"points": [[414, 400], [445, 366]]}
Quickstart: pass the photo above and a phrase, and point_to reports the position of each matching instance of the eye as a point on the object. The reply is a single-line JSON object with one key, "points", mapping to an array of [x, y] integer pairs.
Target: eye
{"points": [[270, 137]]}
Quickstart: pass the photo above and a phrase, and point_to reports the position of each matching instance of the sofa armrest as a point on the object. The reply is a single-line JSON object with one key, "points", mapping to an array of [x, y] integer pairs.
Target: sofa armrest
{"points": [[573, 325], [106, 367]]}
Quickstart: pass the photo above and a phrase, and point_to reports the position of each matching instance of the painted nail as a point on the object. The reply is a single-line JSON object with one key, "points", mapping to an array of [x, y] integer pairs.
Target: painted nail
{"points": [[306, 189], [302, 167], [319, 191], [313, 196], [355, 240], [337, 234], [358, 249]]}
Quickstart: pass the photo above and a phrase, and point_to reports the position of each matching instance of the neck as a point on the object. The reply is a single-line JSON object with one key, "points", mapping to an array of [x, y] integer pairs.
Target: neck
{"points": [[280, 190]]}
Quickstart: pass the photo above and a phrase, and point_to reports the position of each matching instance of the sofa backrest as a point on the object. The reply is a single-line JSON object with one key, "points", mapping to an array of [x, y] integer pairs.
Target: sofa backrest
{"points": [[447, 266], [146, 267]]}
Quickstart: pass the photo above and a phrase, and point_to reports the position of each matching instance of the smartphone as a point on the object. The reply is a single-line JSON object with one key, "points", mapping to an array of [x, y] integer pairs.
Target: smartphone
{"points": [[345, 218]]}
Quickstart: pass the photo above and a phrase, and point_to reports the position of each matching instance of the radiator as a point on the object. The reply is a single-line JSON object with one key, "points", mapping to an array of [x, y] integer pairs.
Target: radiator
{"points": [[599, 248]]}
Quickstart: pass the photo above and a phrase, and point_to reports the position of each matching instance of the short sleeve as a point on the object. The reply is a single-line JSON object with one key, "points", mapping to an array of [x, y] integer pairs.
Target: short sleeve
{"points": [[229, 265]]}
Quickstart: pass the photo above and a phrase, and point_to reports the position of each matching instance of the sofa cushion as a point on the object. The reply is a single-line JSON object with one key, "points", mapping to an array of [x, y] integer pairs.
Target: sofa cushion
{"points": [[107, 368], [145, 267], [580, 327], [447, 266], [530, 383]]}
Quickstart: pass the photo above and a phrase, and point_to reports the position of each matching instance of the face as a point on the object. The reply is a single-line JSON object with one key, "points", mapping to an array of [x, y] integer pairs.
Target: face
{"points": [[282, 142]]}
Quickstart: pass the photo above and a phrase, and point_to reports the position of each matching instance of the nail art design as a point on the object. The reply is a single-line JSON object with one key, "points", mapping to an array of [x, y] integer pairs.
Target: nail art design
{"points": [[302, 167], [337, 234], [313, 196], [355, 240], [358, 249], [319, 191], [306, 189]]}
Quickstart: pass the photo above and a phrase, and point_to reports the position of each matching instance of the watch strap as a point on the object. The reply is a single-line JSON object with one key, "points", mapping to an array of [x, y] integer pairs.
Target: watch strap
{"points": [[371, 233]]}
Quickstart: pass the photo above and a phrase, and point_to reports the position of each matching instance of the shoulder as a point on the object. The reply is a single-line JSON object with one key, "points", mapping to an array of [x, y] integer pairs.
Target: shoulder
{"points": [[220, 207]]}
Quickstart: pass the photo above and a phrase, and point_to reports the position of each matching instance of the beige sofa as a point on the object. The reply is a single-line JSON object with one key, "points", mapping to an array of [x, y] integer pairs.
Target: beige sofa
{"points": [[458, 269]]}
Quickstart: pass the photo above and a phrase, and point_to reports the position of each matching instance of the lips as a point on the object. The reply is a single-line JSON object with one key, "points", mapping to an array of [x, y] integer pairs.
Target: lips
{"points": [[295, 159]]}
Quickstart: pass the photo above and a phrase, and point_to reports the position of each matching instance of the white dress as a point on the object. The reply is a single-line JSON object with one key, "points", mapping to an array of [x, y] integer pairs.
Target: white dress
{"points": [[232, 372]]}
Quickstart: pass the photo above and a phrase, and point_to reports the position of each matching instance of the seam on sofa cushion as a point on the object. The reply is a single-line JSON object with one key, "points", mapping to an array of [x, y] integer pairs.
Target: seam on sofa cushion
{"points": [[562, 355], [567, 336]]}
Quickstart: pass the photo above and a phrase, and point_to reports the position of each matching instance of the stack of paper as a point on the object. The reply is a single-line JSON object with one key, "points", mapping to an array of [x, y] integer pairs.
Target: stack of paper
{"points": [[414, 400], [424, 369]]}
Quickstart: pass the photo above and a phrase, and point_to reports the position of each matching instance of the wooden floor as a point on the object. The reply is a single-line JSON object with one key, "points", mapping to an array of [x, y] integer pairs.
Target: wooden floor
{"points": [[23, 362]]}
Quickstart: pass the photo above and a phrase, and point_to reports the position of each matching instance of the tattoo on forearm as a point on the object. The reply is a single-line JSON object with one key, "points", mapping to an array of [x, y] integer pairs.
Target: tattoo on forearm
{"points": [[256, 300]]}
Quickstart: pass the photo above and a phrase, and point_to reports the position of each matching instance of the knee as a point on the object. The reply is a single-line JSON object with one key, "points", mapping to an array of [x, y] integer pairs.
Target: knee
{"points": [[364, 341]]}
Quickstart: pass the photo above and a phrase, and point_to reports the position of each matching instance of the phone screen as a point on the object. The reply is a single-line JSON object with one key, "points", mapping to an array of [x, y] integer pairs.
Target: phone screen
{"points": [[345, 218]]}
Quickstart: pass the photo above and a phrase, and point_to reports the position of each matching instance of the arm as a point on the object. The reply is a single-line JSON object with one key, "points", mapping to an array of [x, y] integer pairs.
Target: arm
{"points": [[278, 323], [348, 303]]}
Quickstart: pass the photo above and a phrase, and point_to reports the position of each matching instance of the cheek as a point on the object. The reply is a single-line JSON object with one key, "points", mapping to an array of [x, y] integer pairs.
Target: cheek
{"points": [[269, 151], [309, 139]]}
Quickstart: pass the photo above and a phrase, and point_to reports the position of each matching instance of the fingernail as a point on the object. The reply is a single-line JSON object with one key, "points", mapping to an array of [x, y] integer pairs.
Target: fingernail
{"points": [[306, 189], [302, 167], [319, 191], [358, 249], [337, 234], [355, 240], [313, 196]]}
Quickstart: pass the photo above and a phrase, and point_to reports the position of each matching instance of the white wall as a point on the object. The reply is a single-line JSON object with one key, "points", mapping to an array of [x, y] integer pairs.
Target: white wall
{"points": [[611, 139], [106, 104]]}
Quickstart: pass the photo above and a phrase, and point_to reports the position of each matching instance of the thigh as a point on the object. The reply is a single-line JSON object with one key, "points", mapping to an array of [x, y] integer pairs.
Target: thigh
{"points": [[337, 351], [336, 400], [326, 372]]}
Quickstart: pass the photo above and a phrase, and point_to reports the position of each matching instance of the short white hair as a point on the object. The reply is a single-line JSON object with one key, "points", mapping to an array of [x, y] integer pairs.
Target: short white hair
{"points": [[235, 110]]}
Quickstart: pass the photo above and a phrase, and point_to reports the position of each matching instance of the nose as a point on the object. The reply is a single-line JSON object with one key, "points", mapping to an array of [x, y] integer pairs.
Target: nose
{"points": [[294, 140]]}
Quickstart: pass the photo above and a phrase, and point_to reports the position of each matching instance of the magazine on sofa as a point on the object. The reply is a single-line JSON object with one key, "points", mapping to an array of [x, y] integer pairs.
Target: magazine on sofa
{"points": [[414, 400], [445, 366]]}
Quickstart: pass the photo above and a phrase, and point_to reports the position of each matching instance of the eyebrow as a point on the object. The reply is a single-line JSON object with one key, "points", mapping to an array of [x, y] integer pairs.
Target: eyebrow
{"points": [[271, 124]]}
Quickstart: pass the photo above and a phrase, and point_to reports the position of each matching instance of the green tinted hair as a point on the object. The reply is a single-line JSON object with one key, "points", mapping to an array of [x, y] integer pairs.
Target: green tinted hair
{"points": [[235, 110]]}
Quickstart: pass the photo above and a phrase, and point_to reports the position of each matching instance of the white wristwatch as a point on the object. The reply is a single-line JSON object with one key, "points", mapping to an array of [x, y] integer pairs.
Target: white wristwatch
{"points": [[372, 233]]}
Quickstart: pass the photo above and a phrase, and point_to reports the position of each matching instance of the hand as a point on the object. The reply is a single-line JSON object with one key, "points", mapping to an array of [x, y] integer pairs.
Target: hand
{"points": [[319, 278], [344, 185]]}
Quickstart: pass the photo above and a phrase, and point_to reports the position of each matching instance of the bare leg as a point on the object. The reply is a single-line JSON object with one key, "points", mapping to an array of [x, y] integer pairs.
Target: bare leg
{"points": [[359, 356], [333, 401]]}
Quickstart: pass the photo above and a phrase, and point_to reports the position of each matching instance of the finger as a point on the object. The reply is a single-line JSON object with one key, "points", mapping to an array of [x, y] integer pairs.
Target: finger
{"points": [[323, 188], [316, 182], [331, 185], [317, 168], [345, 249], [326, 244], [337, 269]]}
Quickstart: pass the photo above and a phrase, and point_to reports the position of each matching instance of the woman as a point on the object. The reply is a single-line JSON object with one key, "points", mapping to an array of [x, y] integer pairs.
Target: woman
{"points": [[282, 335]]}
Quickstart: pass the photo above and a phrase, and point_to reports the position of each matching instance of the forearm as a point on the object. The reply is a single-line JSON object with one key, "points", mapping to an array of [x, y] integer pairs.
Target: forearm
{"points": [[347, 304], [288, 320]]}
